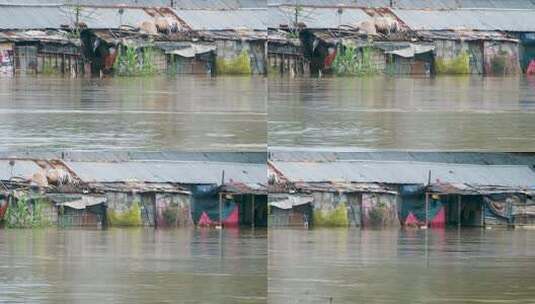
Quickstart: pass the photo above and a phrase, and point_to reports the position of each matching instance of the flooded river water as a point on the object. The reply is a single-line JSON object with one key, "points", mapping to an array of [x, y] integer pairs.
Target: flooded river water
{"points": [[401, 266], [442, 113], [133, 266], [183, 113], [244, 113]]}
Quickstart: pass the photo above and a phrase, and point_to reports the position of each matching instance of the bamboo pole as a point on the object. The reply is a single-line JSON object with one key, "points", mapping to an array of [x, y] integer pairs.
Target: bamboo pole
{"points": [[458, 211], [252, 212], [221, 209], [426, 209]]}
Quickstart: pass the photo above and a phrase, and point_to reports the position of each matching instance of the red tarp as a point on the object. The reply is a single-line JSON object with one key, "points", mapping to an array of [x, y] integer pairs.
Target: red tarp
{"points": [[232, 219]]}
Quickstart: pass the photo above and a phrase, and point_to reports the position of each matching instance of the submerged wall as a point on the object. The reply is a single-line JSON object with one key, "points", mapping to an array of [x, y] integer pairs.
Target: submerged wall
{"points": [[330, 209], [236, 57], [501, 58], [173, 210], [130, 209], [458, 57]]}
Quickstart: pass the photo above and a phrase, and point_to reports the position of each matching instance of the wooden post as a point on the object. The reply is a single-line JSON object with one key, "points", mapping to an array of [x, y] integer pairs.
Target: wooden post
{"points": [[252, 211], [426, 209], [458, 211], [221, 209]]}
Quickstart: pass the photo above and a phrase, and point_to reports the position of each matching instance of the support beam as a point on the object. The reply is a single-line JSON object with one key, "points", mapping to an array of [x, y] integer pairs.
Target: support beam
{"points": [[426, 210], [221, 209], [252, 211], [458, 211]]}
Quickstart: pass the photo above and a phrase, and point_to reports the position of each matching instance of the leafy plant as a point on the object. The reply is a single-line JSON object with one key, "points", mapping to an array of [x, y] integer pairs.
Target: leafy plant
{"points": [[21, 213], [48, 68], [353, 61], [170, 215], [377, 214], [134, 62]]}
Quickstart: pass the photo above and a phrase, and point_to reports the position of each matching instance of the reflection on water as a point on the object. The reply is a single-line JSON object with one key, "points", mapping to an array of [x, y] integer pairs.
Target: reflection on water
{"points": [[133, 266], [443, 113], [183, 113], [401, 266]]}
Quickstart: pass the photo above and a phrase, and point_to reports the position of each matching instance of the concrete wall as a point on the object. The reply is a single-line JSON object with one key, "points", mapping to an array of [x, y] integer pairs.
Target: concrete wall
{"points": [[122, 203], [230, 52], [379, 210], [335, 209], [501, 58], [458, 57], [173, 209]]}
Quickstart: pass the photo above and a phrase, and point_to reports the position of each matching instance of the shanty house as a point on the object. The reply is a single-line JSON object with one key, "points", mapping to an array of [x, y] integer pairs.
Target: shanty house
{"points": [[37, 39], [482, 41], [412, 193], [166, 193], [239, 36]]}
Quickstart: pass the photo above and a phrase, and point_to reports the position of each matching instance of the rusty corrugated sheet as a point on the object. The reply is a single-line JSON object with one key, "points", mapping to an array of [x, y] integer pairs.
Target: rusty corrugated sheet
{"points": [[396, 172], [469, 19], [251, 19], [170, 172]]}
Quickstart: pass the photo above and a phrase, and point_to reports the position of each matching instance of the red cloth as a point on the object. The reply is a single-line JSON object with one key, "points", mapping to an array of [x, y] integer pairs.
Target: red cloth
{"points": [[205, 220], [232, 219], [531, 68], [439, 221], [411, 220], [329, 59]]}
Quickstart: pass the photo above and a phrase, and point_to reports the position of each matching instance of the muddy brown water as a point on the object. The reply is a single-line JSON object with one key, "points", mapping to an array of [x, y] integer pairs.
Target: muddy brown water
{"points": [[401, 266], [249, 113], [133, 266], [154, 113], [404, 113]]}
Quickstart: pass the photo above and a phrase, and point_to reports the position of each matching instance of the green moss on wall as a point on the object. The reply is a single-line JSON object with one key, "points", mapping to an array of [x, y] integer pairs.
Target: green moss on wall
{"points": [[458, 65], [236, 66], [131, 217], [498, 64], [334, 218]]}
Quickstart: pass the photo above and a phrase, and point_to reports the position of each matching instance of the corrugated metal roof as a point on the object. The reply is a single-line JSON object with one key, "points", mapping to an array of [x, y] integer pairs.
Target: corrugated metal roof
{"points": [[121, 156], [481, 158], [407, 173], [253, 19], [43, 16], [170, 172], [315, 17], [102, 18], [22, 169], [416, 4], [33, 17], [469, 19]]}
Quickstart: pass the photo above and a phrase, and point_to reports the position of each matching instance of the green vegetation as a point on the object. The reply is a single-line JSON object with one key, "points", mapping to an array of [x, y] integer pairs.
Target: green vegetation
{"points": [[131, 217], [134, 62], [48, 68], [352, 61], [170, 215], [498, 64], [241, 65], [22, 214], [378, 213], [458, 65], [334, 218]]}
